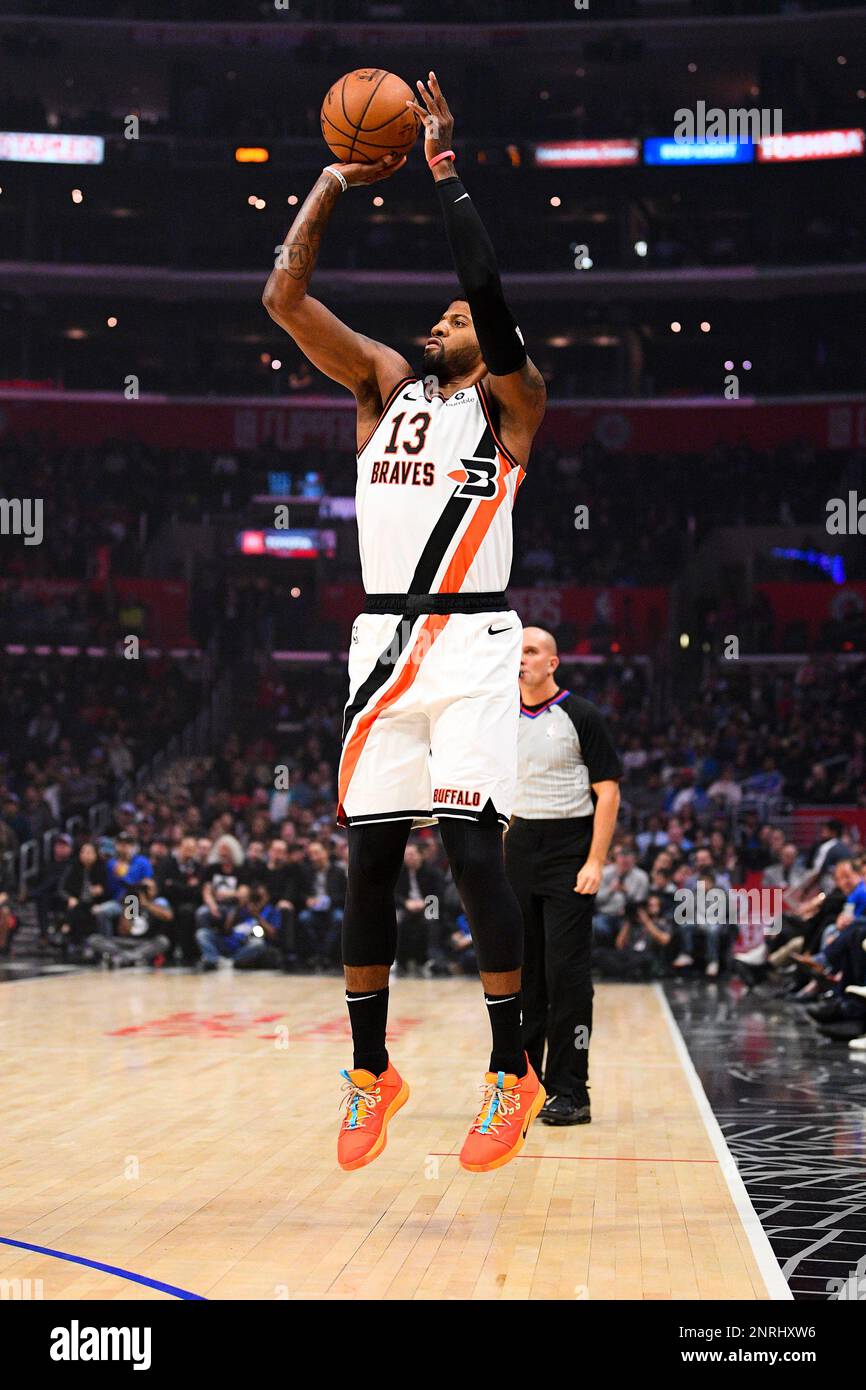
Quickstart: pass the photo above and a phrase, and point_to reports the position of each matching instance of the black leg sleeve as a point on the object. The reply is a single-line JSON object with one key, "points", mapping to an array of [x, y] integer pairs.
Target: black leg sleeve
{"points": [[475, 855], [369, 929]]}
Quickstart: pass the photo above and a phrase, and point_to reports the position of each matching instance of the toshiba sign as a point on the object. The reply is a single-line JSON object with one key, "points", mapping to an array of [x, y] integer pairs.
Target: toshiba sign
{"points": [[810, 144]]}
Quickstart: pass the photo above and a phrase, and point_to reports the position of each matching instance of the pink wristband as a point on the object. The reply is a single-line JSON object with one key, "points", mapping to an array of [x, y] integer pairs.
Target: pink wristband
{"points": [[437, 158]]}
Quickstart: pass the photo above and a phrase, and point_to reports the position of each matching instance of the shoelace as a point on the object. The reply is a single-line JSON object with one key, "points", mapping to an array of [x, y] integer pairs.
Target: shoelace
{"points": [[359, 1102], [495, 1107]]}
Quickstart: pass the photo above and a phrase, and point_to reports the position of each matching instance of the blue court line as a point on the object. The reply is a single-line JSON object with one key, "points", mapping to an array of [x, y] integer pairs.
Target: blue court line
{"points": [[106, 1269]]}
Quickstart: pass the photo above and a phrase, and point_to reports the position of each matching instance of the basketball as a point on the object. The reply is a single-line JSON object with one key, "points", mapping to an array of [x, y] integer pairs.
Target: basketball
{"points": [[365, 116]]}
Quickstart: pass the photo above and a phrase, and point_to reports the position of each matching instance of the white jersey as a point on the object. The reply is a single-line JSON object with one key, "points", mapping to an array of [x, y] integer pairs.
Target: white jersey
{"points": [[436, 487]]}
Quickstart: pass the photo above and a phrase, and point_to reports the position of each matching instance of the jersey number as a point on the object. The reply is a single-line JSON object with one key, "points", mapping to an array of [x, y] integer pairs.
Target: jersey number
{"points": [[421, 421]]}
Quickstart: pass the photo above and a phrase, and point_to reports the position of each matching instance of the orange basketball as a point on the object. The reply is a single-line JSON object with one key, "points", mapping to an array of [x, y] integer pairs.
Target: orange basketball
{"points": [[365, 116]]}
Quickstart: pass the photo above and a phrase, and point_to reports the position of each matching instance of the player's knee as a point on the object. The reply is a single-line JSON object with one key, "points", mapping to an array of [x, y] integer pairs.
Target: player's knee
{"points": [[475, 854], [375, 855]]}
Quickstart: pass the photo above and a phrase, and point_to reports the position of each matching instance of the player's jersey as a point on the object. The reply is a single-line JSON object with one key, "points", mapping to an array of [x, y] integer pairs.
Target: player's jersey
{"points": [[434, 496]]}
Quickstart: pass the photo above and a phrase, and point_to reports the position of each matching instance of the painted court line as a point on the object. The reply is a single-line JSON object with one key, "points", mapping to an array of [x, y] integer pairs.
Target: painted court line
{"points": [[106, 1269], [593, 1158], [771, 1272]]}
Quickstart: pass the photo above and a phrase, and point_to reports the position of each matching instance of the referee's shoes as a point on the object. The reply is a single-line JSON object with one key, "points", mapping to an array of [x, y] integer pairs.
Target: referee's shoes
{"points": [[564, 1110]]}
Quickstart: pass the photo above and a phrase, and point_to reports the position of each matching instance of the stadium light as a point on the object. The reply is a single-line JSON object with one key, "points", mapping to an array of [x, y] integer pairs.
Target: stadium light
{"points": [[251, 154]]}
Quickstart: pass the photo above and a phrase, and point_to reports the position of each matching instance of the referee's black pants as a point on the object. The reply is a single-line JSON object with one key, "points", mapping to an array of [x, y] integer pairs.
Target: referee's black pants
{"points": [[542, 858]]}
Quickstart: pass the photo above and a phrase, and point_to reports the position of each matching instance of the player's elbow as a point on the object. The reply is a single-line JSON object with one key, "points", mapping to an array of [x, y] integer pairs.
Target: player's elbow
{"points": [[277, 302]]}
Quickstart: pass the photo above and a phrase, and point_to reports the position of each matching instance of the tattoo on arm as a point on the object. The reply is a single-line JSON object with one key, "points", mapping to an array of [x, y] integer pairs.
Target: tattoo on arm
{"points": [[298, 253], [299, 257]]}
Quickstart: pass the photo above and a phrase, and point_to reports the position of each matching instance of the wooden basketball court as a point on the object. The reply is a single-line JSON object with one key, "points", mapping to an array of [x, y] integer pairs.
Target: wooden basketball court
{"points": [[177, 1132]]}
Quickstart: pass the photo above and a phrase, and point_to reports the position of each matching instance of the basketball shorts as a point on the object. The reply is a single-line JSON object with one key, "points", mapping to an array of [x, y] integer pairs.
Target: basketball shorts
{"points": [[430, 727]]}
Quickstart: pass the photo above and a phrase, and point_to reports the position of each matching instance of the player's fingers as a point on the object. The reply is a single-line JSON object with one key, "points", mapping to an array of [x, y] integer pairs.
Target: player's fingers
{"points": [[430, 103], [425, 115], [437, 92], [381, 170]]}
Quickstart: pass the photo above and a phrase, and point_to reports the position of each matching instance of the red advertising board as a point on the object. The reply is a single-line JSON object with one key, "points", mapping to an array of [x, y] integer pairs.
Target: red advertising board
{"points": [[812, 604], [675, 427]]}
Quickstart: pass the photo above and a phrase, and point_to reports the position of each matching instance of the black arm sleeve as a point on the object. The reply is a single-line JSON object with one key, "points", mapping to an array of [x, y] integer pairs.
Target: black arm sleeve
{"points": [[499, 337]]}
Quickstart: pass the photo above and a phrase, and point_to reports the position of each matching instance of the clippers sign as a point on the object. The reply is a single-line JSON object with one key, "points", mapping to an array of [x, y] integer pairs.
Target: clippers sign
{"points": [[23, 148], [810, 144]]}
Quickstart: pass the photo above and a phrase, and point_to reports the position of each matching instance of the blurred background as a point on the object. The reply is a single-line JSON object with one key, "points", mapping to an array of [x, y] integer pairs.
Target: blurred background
{"points": [[176, 635]]}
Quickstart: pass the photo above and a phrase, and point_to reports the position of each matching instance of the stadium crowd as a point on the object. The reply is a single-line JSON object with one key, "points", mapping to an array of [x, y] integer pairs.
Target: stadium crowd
{"points": [[239, 858]]}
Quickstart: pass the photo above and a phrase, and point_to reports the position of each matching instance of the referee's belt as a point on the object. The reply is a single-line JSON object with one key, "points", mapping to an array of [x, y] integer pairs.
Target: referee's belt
{"points": [[410, 605]]}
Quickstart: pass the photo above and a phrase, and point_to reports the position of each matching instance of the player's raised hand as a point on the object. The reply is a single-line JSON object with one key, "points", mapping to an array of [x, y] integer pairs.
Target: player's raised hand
{"points": [[383, 168], [438, 121]]}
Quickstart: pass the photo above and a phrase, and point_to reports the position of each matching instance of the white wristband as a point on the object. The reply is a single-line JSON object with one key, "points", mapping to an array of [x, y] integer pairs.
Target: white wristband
{"points": [[329, 169]]}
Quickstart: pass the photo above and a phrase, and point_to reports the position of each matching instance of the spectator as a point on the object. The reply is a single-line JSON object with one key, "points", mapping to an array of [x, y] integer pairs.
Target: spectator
{"points": [[320, 920], [623, 887], [82, 887], [419, 895], [224, 887], [179, 879], [47, 896], [140, 937], [127, 869]]}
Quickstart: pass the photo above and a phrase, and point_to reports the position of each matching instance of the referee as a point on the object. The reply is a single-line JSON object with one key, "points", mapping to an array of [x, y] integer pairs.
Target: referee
{"points": [[555, 848]]}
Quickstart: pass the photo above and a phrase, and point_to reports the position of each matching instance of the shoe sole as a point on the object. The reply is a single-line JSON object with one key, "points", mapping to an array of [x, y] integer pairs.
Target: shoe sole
{"points": [[499, 1162], [396, 1104], [560, 1124]]}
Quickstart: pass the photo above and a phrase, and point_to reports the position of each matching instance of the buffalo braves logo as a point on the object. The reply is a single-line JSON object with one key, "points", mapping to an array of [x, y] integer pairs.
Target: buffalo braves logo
{"points": [[477, 477]]}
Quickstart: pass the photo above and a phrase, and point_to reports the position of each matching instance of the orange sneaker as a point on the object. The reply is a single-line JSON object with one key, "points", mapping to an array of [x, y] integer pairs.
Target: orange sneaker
{"points": [[370, 1102], [507, 1110]]}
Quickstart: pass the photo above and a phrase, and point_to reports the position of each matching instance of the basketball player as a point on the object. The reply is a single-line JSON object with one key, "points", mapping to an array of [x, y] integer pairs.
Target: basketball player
{"points": [[430, 728]]}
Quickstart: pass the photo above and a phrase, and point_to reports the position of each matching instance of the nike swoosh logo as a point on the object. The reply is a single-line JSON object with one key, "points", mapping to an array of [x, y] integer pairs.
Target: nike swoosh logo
{"points": [[462, 196], [526, 1128], [493, 630]]}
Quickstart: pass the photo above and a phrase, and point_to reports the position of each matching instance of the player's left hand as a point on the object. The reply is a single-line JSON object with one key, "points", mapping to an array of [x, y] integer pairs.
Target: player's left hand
{"points": [[588, 877], [438, 121]]}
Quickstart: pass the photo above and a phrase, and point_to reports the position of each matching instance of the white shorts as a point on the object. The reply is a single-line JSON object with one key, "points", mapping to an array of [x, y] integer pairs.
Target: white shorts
{"points": [[430, 728]]}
